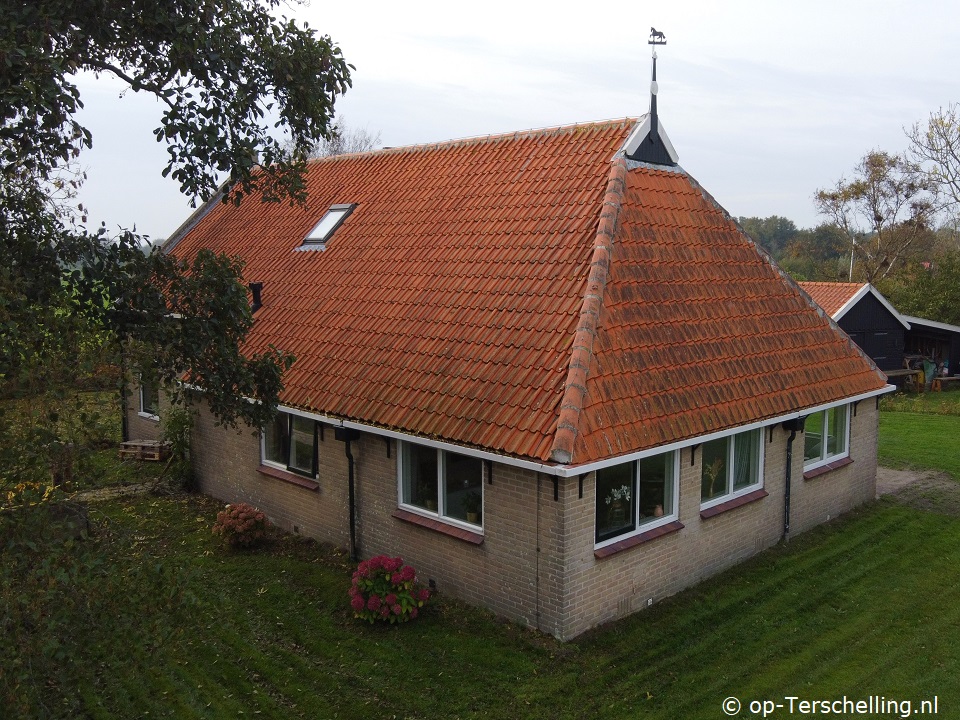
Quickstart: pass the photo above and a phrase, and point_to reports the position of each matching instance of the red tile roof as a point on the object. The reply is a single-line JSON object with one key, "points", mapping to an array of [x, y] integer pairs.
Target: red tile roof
{"points": [[529, 295], [831, 296]]}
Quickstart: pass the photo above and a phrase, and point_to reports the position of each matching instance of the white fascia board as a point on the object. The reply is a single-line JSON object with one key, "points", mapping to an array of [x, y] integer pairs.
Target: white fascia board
{"points": [[857, 296], [573, 470], [567, 470], [931, 323]]}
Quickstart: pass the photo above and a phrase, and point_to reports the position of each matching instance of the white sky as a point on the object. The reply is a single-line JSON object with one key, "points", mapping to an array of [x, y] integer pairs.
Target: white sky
{"points": [[764, 101]]}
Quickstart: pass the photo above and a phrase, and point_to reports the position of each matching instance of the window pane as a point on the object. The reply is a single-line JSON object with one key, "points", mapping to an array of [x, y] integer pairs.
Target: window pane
{"points": [[275, 439], [615, 501], [149, 397], [463, 489], [746, 459], [420, 476], [713, 479], [656, 487], [301, 445], [837, 428], [813, 438]]}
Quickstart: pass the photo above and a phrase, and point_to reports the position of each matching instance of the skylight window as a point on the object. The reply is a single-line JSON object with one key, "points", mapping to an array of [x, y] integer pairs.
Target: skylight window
{"points": [[323, 230]]}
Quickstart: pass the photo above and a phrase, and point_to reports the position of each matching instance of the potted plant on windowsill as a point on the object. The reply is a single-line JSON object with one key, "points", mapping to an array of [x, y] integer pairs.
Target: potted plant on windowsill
{"points": [[472, 505]]}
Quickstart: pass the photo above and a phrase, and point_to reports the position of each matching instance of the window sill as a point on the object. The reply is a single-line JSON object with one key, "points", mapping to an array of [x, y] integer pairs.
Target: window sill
{"points": [[633, 541], [289, 477], [829, 467], [733, 504], [148, 416], [473, 538]]}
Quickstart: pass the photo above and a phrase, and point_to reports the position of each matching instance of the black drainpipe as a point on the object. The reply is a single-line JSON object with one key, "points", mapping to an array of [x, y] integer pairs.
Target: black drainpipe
{"points": [[348, 435], [794, 426]]}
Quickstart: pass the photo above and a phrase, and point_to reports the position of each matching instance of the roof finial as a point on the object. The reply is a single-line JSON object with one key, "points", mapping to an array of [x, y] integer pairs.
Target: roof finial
{"points": [[650, 142]]}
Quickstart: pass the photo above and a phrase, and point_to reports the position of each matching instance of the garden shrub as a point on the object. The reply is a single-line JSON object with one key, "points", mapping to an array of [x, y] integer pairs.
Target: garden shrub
{"points": [[241, 525], [385, 590]]}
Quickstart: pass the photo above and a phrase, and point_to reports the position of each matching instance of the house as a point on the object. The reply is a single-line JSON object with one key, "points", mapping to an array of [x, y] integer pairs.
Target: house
{"points": [[891, 339], [866, 316], [544, 367]]}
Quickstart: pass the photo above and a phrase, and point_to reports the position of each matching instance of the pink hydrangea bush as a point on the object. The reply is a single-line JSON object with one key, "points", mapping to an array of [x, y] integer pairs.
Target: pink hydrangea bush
{"points": [[241, 525], [385, 590]]}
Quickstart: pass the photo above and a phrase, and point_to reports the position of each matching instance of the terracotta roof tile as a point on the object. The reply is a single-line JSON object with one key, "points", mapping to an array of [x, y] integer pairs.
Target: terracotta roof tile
{"points": [[448, 303], [831, 296]]}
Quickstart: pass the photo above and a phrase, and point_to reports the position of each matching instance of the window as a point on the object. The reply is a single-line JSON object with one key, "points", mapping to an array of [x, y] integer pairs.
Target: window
{"points": [[323, 230], [635, 497], [732, 466], [149, 398], [825, 436], [290, 442], [446, 484]]}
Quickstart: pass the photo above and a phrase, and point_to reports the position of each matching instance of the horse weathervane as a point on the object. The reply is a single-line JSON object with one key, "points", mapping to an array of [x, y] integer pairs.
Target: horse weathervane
{"points": [[657, 37]]}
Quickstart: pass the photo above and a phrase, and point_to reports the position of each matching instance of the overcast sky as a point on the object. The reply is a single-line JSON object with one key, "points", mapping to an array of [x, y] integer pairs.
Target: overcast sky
{"points": [[764, 101]]}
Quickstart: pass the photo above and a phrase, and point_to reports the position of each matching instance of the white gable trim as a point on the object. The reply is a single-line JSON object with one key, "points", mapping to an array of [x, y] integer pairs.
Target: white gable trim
{"points": [[931, 323], [858, 296], [572, 470]]}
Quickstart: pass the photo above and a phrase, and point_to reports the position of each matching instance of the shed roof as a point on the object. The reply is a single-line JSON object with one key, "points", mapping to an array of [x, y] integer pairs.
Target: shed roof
{"points": [[534, 294]]}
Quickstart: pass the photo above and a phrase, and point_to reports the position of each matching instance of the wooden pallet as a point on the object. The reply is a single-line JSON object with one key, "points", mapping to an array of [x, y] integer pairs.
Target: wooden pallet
{"points": [[152, 450]]}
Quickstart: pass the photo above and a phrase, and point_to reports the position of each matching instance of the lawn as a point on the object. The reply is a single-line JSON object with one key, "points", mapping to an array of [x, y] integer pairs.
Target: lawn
{"points": [[162, 621], [921, 431], [854, 608]]}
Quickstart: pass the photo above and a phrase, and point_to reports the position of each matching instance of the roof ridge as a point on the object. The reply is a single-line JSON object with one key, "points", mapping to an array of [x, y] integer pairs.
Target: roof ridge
{"points": [[478, 139], [575, 387]]}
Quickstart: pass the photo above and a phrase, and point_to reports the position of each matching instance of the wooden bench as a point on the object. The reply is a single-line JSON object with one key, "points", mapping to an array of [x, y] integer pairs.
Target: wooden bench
{"points": [[152, 450]]}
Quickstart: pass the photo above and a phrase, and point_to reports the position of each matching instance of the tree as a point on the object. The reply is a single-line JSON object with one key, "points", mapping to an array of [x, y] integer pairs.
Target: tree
{"points": [[931, 291], [344, 139], [884, 212], [816, 254], [772, 233], [937, 148], [231, 76]]}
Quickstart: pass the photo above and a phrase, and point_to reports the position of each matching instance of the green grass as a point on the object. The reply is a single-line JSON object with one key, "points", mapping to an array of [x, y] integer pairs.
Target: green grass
{"points": [[857, 607], [186, 629], [920, 441], [936, 403]]}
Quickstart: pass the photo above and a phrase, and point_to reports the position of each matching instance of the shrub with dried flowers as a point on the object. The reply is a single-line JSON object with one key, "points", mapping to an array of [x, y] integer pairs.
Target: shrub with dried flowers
{"points": [[241, 525], [385, 590]]}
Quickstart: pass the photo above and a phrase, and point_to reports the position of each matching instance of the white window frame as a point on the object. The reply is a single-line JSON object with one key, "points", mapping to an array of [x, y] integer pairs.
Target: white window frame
{"points": [[144, 412], [640, 528], [824, 458], [404, 448], [730, 493], [332, 219], [286, 466]]}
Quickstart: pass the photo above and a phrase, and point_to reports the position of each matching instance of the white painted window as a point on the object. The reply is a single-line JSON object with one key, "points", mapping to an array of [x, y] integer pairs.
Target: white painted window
{"points": [[826, 437], [290, 443], [441, 483], [149, 398], [323, 230], [731, 466], [636, 496]]}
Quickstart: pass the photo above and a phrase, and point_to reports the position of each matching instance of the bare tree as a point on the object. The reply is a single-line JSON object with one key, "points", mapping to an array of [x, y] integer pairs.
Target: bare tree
{"points": [[344, 139], [884, 212], [937, 148]]}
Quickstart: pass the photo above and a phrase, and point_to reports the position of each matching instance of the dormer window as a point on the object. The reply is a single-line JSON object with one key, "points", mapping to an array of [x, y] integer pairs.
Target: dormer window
{"points": [[323, 230]]}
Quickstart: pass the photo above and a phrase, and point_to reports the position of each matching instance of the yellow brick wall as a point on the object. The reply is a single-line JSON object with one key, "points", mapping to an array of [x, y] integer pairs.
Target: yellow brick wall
{"points": [[536, 564]]}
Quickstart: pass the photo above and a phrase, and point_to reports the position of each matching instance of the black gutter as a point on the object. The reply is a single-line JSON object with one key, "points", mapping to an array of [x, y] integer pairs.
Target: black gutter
{"points": [[794, 426], [347, 435]]}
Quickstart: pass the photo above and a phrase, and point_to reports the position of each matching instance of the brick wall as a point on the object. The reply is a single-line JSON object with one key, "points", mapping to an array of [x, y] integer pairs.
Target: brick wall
{"points": [[506, 573], [536, 564], [599, 590], [138, 426]]}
